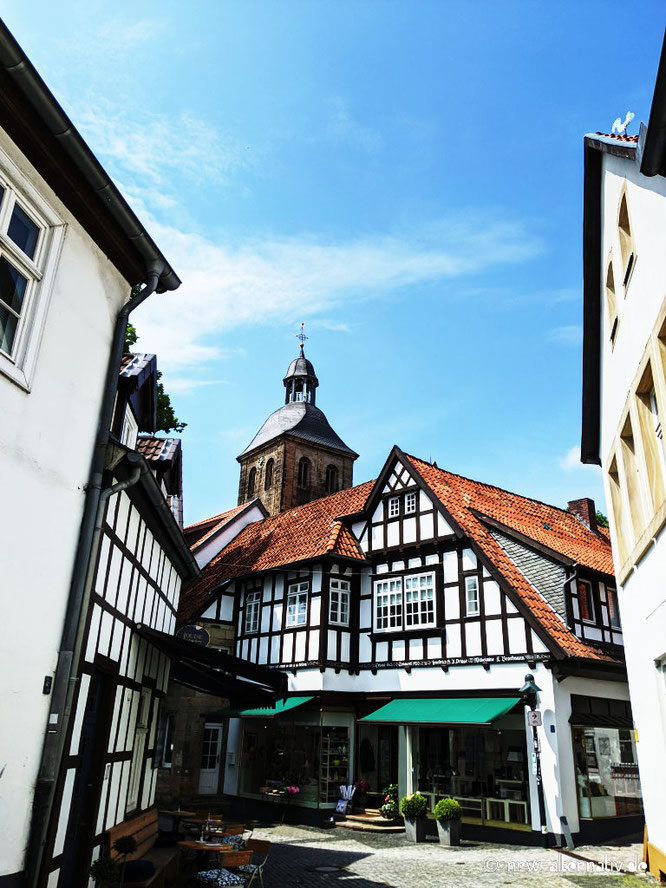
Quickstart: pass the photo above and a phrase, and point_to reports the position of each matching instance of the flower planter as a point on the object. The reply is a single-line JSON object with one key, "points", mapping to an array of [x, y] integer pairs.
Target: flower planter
{"points": [[415, 829], [448, 832]]}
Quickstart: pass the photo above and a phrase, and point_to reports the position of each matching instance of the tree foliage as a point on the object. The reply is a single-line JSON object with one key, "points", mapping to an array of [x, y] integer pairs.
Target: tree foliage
{"points": [[602, 521]]}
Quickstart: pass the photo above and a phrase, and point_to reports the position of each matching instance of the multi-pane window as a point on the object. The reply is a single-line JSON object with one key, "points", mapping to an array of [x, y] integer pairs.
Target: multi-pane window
{"points": [[394, 507], [297, 604], [252, 607], [21, 240], [420, 600], [613, 612], [472, 596], [338, 602], [585, 601], [410, 502], [388, 604]]}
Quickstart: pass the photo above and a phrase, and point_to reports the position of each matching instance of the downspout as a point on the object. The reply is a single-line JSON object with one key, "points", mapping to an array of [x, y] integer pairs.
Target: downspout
{"points": [[66, 678]]}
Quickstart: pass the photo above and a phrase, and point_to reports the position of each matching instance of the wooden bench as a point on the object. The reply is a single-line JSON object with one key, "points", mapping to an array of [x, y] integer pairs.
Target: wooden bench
{"points": [[143, 828]]}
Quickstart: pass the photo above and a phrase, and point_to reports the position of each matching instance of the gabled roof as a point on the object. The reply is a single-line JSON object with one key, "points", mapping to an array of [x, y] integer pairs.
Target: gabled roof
{"points": [[466, 501], [299, 534], [199, 533], [298, 419], [158, 451], [138, 382]]}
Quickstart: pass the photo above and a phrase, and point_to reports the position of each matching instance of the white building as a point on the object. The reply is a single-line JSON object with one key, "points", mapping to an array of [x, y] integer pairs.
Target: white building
{"points": [[624, 406], [70, 251], [407, 612]]}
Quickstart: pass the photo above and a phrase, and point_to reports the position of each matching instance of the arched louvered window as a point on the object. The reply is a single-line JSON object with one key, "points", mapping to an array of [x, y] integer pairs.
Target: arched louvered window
{"points": [[268, 477], [251, 482], [332, 482], [304, 472]]}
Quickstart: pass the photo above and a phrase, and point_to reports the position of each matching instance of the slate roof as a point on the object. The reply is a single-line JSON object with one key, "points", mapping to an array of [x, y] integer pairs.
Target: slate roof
{"points": [[137, 365], [300, 366], [298, 534], [299, 420], [466, 500]]}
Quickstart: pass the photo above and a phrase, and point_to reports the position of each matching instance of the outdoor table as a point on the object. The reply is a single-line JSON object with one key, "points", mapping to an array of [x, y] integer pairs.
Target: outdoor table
{"points": [[204, 848]]}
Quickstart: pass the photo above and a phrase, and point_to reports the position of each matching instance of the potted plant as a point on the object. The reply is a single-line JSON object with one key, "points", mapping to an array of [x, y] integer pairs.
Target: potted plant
{"points": [[413, 808], [105, 872], [124, 845], [361, 794], [389, 810], [447, 814]]}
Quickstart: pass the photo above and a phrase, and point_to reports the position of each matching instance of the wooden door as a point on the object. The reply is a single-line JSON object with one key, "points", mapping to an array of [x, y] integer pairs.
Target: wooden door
{"points": [[209, 770]]}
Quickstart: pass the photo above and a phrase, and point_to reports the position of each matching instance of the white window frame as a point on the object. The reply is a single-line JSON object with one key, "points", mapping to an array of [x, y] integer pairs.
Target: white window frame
{"points": [[393, 507], [472, 585], [384, 591], [592, 620], [338, 602], [40, 270], [138, 748], [297, 605], [419, 590], [130, 430], [611, 594], [252, 611], [410, 503]]}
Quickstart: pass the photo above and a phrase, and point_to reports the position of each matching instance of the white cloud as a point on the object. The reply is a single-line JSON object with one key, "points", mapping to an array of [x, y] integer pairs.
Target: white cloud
{"points": [[570, 462], [184, 385], [271, 278], [571, 335]]}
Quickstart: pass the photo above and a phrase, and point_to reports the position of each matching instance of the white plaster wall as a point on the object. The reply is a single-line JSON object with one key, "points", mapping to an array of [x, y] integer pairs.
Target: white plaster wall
{"points": [[46, 442], [218, 541], [642, 600]]}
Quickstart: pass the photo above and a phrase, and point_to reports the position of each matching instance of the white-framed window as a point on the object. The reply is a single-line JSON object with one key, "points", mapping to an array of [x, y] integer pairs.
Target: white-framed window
{"points": [[130, 429], [338, 602], [613, 610], [394, 506], [140, 733], [30, 239], [472, 596], [297, 604], [388, 604], [252, 608], [420, 600], [410, 502]]}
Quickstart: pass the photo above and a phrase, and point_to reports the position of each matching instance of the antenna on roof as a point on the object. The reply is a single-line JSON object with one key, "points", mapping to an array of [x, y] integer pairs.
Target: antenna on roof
{"points": [[301, 336], [621, 128]]}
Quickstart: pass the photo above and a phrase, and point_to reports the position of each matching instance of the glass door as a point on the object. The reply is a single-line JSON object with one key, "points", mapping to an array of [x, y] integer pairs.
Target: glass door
{"points": [[209, 771]]}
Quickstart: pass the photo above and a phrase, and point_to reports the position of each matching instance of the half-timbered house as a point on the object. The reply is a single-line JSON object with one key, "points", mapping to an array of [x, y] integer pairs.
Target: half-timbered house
{"points": [[408, 611]]}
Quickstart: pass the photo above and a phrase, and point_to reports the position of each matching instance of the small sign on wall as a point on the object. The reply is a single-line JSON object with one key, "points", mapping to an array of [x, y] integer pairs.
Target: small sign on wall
{"points": [[534, 718], [194, 634]]}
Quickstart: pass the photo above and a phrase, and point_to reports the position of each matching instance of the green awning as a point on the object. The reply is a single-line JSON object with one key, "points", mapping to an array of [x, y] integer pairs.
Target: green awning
{"points": [[281, 707], [446, 710]]}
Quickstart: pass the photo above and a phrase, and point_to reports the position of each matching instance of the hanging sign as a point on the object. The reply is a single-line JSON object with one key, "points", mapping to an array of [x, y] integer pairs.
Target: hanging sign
{"points": [[534, 718], [194, 634]]}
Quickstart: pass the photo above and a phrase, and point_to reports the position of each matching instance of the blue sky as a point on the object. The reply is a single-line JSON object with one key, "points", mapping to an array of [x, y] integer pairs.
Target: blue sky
{"points": [[404, 177]]}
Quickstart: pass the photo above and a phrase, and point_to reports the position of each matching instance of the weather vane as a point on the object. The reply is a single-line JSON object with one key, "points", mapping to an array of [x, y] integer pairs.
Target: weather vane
{"points": [[301, 336]]}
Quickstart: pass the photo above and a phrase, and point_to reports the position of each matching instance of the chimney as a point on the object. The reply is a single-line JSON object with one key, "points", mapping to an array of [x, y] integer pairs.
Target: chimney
{"points": [[585, 511]]}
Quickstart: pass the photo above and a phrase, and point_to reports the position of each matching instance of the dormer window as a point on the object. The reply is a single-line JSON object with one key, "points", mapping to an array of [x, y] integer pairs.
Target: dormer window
{"points": [[586, 601], [394, 506], [613, 611], [130, 429]]}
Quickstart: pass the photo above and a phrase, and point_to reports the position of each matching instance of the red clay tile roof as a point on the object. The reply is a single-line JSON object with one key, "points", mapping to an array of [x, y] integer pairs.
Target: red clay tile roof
{"points": [[197, 534], [155, 449], [299, 534], [463, 498], [619, 137]]}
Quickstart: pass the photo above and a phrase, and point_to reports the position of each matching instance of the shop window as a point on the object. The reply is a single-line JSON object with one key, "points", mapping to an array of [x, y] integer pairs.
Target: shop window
{"points": [[297, 605], [394, 507], [268, 476], [630, 462], [611, 305], [388, 604], [627, 250], [410, 503], [472, 608], [606, 772], [251, 482], [332, 482], [252, 608], [420, 600], [586, 601], [613, 610], [338, 602], [304, 472]]}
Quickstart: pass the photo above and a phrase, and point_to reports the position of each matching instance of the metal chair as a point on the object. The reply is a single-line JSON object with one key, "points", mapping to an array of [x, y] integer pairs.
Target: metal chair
{"points": [[255, 869], [223, 876]]}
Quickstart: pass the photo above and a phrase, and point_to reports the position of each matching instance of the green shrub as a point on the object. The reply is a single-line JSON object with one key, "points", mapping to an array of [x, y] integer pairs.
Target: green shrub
{"points": [[414, 805], [389, 810], [105, 871], [447, 809]]}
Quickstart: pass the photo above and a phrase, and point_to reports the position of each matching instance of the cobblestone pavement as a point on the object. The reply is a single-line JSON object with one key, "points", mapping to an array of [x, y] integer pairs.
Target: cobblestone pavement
{"points": [[301, 857]]}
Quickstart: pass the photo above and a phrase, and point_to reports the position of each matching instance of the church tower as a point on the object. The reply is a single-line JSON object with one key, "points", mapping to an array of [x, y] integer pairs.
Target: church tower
{"points": [[295, 456]]}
